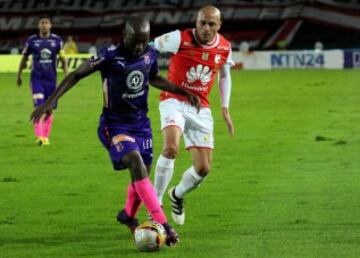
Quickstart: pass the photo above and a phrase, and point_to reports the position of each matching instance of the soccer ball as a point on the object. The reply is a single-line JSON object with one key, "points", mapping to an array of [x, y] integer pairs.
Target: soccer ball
{"points": [[150, 236]]}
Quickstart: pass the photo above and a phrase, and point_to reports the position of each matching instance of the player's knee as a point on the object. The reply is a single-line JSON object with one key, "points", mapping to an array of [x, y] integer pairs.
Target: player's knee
{"points": [[136, 166], [138, 171], [170, 151]]}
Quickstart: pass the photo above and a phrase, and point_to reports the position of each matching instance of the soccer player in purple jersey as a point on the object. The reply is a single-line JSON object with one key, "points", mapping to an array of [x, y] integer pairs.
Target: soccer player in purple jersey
{"points": [[44, 48], [126, 71]]}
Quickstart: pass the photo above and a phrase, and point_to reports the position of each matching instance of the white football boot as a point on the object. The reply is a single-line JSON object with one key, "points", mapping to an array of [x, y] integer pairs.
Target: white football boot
{"points": [[177, 207]]}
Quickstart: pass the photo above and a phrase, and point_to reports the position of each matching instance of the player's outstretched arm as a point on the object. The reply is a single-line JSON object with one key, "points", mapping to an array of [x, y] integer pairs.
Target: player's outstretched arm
{"points": [[163, 84], [22, 66], [67, 83]]}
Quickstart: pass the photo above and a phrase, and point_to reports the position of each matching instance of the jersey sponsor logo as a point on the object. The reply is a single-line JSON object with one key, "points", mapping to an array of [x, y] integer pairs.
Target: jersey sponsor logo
{"points": [[45, 55], [122, 138], [135, 80], [132, 96], [199, 73]]}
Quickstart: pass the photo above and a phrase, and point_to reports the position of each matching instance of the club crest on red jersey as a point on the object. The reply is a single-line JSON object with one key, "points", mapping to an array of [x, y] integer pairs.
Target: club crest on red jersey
{"points": [[205, 56]]}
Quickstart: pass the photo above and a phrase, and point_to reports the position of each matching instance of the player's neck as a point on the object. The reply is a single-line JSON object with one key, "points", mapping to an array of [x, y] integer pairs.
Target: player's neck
{"points": [[44, 35], [127, 53], [211, 43]]}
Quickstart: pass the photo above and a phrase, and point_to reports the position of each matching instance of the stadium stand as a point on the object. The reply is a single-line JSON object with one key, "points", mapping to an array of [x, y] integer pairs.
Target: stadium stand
{"points": [[298, 23]]}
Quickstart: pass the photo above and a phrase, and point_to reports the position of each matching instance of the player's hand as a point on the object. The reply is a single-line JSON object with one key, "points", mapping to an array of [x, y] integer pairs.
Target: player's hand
{"points": [[18, 81], [43, 111], [195, 101], [228, 121]]}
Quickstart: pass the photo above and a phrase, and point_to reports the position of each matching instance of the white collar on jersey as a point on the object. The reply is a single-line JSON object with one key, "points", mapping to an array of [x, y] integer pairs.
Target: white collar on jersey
{"points": [[212, 44]]}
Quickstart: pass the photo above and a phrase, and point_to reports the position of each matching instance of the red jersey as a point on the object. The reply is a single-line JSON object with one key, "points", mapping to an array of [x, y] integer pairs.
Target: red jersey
{"points": [[193, 66]]}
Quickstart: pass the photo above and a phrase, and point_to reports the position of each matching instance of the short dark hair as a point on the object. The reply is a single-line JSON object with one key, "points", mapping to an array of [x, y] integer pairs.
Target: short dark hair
{"points": [[44, 16]]}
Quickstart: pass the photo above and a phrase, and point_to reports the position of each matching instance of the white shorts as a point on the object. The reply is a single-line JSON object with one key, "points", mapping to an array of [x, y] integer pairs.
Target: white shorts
{"points": [[197, 128]]}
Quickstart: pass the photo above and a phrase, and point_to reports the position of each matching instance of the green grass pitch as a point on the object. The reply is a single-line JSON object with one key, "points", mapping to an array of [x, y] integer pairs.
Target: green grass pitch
{"points": [[287, 185]]}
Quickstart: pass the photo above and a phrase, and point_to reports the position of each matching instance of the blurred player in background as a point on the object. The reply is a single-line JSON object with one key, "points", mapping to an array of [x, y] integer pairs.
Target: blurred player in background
{"points": [[198, 55], [126, 71], [70, 46], [44, 48]]}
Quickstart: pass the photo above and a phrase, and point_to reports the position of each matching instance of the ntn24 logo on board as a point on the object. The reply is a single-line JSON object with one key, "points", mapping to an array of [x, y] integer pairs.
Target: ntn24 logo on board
{"points": [[291, 60]]}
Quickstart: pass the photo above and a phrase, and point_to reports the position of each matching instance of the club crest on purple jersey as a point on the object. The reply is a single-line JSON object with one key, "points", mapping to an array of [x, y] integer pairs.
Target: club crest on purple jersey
{"points": [[135, 80], [119, 147]]}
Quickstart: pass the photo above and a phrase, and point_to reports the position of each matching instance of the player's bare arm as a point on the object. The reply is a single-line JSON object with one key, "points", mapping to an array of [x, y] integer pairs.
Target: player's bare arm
{"points": [[163, 84], [228, 120], [225, 93], [22, 66], [67, 83]]}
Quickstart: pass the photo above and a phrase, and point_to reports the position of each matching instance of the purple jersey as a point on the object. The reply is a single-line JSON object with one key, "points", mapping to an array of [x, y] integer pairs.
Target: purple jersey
{"points": [[44, 55], [126, 85], [124, 125]]}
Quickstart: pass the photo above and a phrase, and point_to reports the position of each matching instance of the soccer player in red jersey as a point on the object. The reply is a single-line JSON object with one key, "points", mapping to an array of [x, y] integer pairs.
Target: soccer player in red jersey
{"points": [[198, 55]]}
